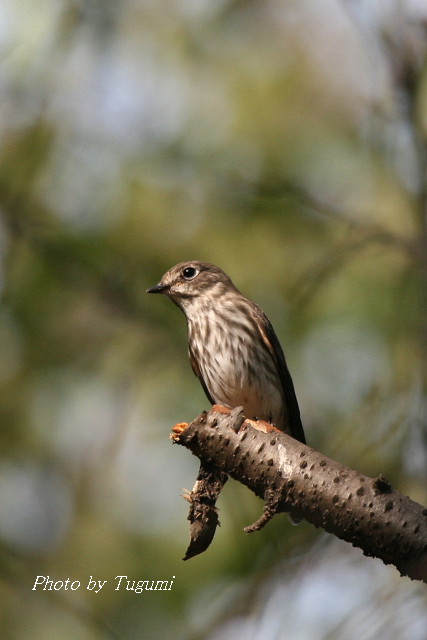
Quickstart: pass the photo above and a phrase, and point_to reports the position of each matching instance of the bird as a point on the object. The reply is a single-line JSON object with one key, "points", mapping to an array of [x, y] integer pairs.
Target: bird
{"points": [[232, 346]]}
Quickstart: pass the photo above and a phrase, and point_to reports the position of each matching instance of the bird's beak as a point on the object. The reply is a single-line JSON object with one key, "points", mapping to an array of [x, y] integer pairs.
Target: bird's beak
{"points": [[158, 288]]}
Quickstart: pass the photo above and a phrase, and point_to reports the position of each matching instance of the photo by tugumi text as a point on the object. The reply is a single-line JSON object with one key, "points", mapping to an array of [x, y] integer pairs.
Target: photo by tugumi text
{"points": [[123, 583]]}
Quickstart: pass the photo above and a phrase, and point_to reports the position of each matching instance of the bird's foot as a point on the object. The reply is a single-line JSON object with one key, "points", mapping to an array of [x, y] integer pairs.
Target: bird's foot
{"points": [[219, 408], [261, 425]]}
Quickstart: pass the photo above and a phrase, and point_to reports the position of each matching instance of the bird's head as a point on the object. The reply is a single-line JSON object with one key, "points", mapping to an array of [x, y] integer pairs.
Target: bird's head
{"points": [[190, 281]]}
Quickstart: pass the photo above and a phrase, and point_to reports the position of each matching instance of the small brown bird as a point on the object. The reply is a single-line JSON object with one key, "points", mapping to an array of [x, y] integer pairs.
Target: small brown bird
{"points": [[232, 345]]}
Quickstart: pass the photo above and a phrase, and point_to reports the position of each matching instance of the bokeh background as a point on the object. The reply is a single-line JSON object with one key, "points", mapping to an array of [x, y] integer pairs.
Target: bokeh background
{"points": [[284, 141]]}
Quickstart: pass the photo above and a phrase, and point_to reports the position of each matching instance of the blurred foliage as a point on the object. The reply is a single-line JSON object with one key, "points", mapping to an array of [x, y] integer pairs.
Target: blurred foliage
{"points": [[285, 142]]}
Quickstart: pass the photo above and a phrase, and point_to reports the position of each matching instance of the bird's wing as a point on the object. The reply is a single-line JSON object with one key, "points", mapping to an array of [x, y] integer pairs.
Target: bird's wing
{"points": [[272, 343], [198, 373]]}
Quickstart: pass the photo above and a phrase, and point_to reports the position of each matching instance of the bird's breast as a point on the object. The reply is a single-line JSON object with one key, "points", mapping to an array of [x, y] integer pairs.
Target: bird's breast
{"points": [[236, 368]]}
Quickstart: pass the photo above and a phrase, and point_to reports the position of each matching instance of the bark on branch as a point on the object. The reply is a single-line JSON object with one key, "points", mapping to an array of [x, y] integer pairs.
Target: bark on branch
{"points": [[290, 476]]}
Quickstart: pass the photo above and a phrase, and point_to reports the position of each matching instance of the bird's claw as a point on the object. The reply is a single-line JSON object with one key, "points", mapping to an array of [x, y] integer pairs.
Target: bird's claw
{"points": [[219, 408], [261, 425]]}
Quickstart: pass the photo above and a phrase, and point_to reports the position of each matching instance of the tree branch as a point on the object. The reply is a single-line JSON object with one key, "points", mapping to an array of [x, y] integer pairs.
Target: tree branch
{"points": [[290, 476]]}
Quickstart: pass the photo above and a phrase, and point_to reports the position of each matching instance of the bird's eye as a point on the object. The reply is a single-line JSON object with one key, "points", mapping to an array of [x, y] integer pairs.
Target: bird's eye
{"points": [[189, 273]]}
